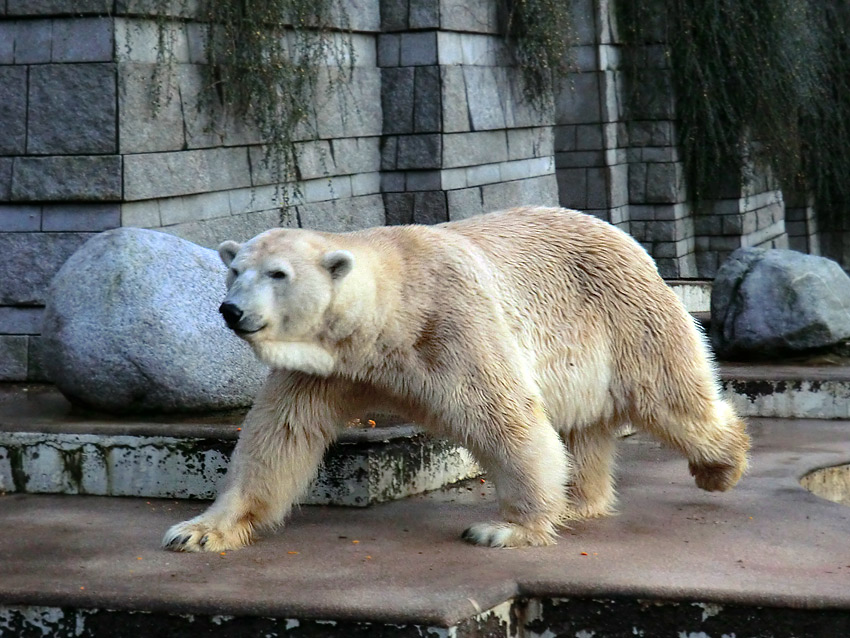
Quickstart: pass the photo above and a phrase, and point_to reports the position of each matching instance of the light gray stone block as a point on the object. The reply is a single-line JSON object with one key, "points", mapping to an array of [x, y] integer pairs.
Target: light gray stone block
{"points": [[82, 40], [29, 261], [132, 325], [18, 218], [341, 216], [80, 217], [13, 357], [471, 149], [537, 191], [449, 48], [484, 174], [82, 178], [33, 41], [419, 49], [13, 108], [143, 214], [210, 233], [177, 210], [484, 98], [354, 155], [145, 126], [365, 184], [524, 143], [72, 109], [351, 108], [454, 101], [20, 320], [465, 203], [152, 175], [477, 16]]}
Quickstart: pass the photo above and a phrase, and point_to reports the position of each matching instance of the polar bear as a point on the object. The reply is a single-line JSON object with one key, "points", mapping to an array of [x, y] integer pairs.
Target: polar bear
{"points": [[530, 336]]}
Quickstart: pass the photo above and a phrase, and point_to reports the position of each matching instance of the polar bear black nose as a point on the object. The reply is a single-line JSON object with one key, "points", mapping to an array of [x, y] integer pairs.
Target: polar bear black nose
{"points": [[231, 313]]}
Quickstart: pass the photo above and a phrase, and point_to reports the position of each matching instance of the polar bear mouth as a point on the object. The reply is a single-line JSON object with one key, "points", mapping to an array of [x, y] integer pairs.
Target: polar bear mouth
{"points": [[242, 332]]}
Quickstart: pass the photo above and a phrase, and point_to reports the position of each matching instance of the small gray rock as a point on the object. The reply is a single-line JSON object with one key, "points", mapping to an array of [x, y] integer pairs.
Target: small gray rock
{"points": [[774, 303], [132, 325]]}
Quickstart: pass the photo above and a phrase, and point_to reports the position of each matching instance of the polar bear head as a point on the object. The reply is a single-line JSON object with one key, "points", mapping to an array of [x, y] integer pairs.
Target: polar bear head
{"points": [[285, 297]]}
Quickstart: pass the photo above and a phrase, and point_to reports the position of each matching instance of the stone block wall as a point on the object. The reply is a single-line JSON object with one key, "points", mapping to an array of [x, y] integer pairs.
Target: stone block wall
{"points": [[432, 126], [459, 139]]}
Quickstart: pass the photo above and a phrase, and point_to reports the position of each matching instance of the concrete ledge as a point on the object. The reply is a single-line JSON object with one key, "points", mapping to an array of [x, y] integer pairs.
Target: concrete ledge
{"points": [[676, 561], [788, 391], [48, 448]]}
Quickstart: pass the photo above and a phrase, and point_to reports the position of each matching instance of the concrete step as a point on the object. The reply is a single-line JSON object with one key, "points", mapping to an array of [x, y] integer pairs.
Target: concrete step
{"points": [[46, 447], [766, 559]]}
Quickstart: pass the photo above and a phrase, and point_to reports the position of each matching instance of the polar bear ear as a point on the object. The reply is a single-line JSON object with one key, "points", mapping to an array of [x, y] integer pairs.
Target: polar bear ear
{"points": [[227, 251], [339, 263]]}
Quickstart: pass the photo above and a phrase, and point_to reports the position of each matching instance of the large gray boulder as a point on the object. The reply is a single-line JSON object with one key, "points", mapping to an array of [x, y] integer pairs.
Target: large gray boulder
{"points": [[774, 303], [132, 325]]}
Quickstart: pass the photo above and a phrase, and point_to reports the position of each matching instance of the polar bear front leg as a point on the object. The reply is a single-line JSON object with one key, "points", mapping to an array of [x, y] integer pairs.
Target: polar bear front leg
{"points": [[529, 465], [278, 454]]}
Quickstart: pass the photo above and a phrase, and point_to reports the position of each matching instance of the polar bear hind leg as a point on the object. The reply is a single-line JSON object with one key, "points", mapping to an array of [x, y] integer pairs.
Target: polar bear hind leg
{"points": [[591, 490]]}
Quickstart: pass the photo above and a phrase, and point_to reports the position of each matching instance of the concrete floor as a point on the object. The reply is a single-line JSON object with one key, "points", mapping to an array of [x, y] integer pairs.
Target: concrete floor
{"points": [[767, 543]]}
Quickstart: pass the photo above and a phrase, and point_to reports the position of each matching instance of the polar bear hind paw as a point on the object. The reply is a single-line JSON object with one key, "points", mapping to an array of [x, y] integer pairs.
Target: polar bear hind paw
{"points": [[508, 535], [197, 536]]}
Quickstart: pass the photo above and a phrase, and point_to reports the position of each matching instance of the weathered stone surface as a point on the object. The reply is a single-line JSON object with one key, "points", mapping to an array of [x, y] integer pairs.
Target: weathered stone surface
{"points": [[19, 219], [770, 303], [72, 109], [132, 325], [80, 217], [81, 178], [144, 126], [427, 105], [418, 49], [13, 109], [82, 40], [50, 7], [424, 14], [397, 93], [393, 15], [32, 41], [28, 261], [341, 216], [485, 98], [419, 151], [13, 357], [430, 207]]}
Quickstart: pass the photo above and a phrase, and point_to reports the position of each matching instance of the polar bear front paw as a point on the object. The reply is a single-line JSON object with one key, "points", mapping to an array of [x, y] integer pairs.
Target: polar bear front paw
{"points": [[198, 536], [508, 535]]}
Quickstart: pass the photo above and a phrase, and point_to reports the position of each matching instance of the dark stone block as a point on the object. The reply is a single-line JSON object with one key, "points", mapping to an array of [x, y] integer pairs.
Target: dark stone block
{"points": [[428, 107], [32, 41], [82, 178], [389, 153], [430, 208], [397, 99], [5, 178], [424, 14], [393, 15], [13, 110], [72, 109], [29, 261], [419, 49], [420, 151], [399, 208], [56, 7], [83, 40], [423, 181]]}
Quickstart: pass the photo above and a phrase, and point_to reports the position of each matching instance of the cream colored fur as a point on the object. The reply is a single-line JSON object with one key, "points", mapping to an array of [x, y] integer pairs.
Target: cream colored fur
{"points": [[530, 336]]}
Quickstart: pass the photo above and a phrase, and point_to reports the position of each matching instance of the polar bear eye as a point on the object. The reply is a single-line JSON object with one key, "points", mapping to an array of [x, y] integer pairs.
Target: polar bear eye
{"points": [[277, 274]]}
